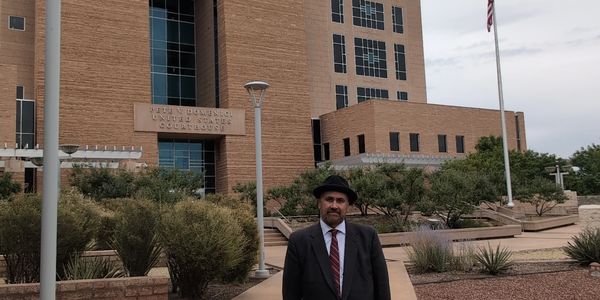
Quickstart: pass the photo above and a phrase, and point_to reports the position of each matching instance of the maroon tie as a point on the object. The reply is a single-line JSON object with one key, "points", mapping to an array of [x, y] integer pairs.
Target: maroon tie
{"points": [[334, 259]]}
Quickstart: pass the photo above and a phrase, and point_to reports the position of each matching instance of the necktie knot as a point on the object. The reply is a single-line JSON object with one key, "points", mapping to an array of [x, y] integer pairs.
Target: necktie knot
{"points": [[334, 232]]}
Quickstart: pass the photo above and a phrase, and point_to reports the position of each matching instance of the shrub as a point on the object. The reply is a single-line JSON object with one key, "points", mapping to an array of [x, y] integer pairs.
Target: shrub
{"points": [[168, 185], [586, 247], [202, 241], [494, 261], [102, 183], [464, 257], [431, 251], [79, 268], [8, 186], [135, 238], [20, 233]]}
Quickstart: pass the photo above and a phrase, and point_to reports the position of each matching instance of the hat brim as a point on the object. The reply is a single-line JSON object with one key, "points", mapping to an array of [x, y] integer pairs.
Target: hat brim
{"points": [[352, 196]]}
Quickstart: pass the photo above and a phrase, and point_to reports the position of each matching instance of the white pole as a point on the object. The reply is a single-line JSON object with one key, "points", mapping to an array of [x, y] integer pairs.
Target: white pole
{"points": [[502, 116], [51, 162], [261, 272]]}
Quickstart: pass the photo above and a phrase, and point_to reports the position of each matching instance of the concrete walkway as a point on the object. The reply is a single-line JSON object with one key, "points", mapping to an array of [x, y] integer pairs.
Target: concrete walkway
{"points": [[401, 287]]}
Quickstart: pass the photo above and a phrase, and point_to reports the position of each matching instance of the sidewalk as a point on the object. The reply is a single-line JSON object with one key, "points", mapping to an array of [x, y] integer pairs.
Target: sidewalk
{"points": [[400, 284]]}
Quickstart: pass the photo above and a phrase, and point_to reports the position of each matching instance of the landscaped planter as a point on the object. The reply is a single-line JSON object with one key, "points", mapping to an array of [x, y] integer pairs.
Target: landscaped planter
{"points": [[405, 238], [156, 288]]}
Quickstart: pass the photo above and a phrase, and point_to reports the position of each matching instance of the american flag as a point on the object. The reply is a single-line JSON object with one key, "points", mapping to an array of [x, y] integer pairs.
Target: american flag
{"points": [[490, 14]]}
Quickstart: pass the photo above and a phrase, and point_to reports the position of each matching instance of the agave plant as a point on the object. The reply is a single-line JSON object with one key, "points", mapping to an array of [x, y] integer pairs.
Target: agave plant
{"points": [[586, 247], [494, 261], [91, 268]]}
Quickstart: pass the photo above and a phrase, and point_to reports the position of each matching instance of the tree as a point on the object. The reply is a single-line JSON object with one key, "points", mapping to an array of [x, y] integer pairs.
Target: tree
{"points": [[369, 184], [8, 186], [455, 193], [587, 178], [541, 193]]}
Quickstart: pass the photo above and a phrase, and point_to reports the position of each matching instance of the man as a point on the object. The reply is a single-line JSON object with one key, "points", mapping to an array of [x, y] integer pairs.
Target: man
{"points": [[344, 264]]}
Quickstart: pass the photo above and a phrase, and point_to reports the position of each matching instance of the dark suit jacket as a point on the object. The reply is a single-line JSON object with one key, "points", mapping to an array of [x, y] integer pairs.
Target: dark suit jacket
{"points": [[307, 273]]}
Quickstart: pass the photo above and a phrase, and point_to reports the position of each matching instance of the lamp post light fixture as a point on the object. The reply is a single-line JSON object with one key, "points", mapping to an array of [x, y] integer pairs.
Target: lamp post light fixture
{"points": [[256, 91]]}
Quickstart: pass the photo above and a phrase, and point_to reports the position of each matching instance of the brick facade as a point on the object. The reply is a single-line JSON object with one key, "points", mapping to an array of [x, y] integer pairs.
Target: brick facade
{"points": [[105, 70]]}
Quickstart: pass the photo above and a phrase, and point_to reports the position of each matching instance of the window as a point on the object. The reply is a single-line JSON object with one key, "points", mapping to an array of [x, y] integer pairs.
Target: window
{"points": [[316, 135], [190, 155], [460, 144], [367, 14], [394, 141], [361, 143], [20, 92], [364, 94], [337, 11], [346, 147], [518, 129], [16, 23], [402, 96], [397, 22], [341, 96], [370, 58], [25, 126], [173, 52], [339, 53], [400, 58], [326, 151], [414, 142], [442, 147]]}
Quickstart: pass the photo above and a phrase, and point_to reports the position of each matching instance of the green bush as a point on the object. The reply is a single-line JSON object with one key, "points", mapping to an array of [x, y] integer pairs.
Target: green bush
{"points": [[494, 261], [79, 268], [203, 242], [135, 238], [7, 186], [431, 251], [167, 185], [20, 232], [586, 247], [103, 183]]}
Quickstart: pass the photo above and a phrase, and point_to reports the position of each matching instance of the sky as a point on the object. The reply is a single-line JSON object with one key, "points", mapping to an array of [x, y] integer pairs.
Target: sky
{"points": [[550, 63]]}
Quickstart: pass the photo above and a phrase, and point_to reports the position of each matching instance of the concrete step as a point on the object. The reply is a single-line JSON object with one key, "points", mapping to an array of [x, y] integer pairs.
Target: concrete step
{"points": [[274, 238], [278, 243]]}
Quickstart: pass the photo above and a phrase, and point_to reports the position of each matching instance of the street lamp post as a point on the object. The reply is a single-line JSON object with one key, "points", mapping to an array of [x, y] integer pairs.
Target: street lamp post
{"points": [[257, 90]]}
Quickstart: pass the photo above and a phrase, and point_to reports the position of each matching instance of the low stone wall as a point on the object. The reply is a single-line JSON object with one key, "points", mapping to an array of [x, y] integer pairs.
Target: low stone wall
{"points": [[115, 288], [549, 223], [589, 216], [587, 200], [405, 238]]}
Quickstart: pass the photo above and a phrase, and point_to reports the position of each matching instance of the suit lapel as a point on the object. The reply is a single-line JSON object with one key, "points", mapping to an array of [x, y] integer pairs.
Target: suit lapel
{"points": [[320, 251], [350, 258]]}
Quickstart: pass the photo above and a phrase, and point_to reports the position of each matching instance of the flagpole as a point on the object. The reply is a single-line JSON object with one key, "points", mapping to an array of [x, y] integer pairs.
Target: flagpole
{"points": [[502, 115]]}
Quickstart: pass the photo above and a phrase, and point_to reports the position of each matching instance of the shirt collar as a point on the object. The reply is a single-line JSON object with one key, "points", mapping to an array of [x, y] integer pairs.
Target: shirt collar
{"points": [[325, 228]]}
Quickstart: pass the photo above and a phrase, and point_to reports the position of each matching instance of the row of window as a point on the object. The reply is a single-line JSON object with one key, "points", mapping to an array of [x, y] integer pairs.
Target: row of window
{"points": [[369, 14], [370, 57], [414, 140], [363, 94]]}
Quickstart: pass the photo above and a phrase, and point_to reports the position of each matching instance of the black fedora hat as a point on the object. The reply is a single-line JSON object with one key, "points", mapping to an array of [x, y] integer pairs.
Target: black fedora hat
{"points": [[338, 184]]}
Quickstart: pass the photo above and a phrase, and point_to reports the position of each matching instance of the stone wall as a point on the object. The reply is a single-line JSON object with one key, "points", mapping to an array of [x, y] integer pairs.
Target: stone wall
{"points": [[113, 288], [589, 216], [586, 200]]}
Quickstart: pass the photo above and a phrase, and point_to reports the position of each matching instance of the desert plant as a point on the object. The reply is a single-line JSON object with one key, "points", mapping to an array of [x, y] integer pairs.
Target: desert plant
{"points": [[20, 232], [8, 186], [102, 183], [586, 247], [79, 268], [202, 241], [431, 251], [135, 238], [494, 261], [464, 256]]}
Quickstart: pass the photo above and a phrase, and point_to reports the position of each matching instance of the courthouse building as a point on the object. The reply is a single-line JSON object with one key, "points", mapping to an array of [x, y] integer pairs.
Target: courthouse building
{"points": [[160, 82]]}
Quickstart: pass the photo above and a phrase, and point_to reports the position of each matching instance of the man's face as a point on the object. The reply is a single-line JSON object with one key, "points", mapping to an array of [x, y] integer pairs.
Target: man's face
{"points": [[333, 207]]}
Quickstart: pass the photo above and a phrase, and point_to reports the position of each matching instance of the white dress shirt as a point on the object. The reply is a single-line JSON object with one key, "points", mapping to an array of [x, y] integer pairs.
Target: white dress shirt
{"points": [[341, 239]]}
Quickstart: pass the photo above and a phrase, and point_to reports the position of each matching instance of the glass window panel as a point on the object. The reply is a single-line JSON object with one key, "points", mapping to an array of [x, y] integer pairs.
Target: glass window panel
{"points": [[188, 60], [173, 101], [186, 18], [19, 116], [209, 156], [188, 87], [186, 7], [159, 100], [173, 31], [187, 33], [173, 6], [187, 102], [159, 84], [158, 29], [159, 57], [173, 86], [28, 118]]}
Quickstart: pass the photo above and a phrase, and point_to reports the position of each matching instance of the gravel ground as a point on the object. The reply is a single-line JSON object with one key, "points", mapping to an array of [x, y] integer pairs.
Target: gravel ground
{"points": [[537, 274]]}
